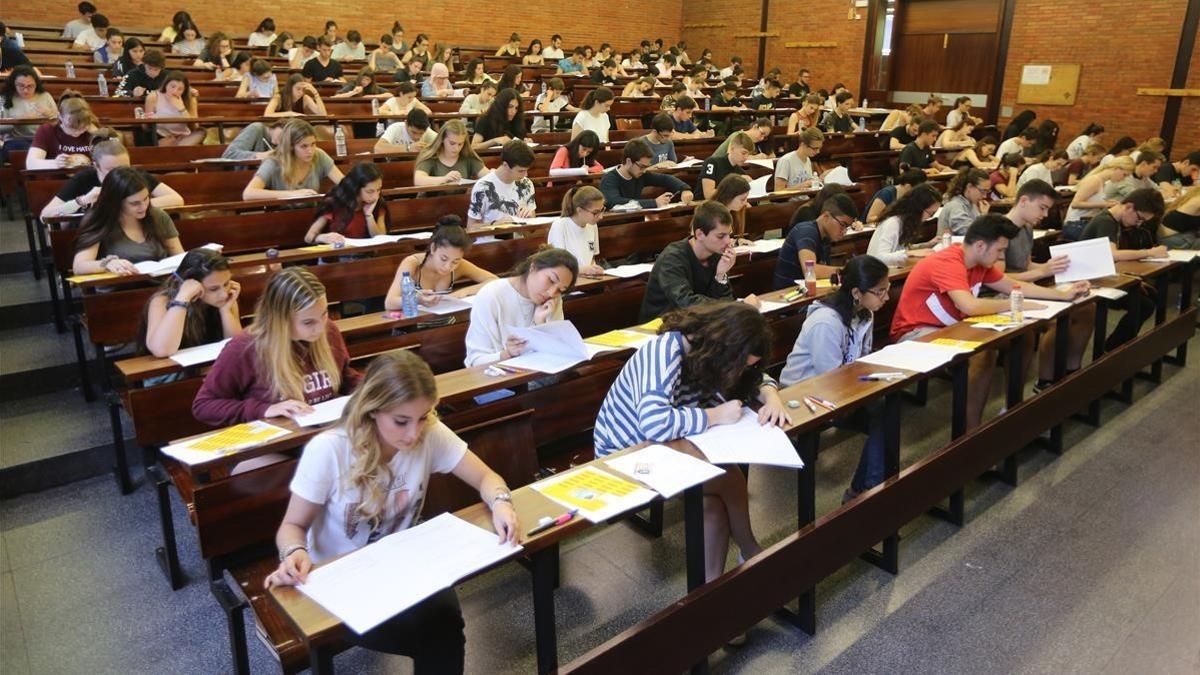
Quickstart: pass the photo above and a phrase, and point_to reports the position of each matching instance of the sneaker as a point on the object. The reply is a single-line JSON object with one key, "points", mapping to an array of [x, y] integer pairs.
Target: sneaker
{"points": [[1041, 385]]}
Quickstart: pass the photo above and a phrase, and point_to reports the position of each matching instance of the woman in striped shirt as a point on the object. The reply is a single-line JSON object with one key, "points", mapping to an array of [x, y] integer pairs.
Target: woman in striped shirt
{"points": [[682, 382]]}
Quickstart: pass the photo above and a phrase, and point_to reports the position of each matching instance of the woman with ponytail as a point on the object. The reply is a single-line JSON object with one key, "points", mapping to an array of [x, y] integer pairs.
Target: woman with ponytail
{"points": [[966, 200], [895, 239], [576, 230], [196, 305], [594, 116], [580, 152], [440, 267]]}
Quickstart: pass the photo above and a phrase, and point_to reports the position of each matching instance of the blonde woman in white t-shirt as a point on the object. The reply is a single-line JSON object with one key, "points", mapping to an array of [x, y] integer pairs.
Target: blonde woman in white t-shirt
{"points": [[366, 478], [576, 230]]}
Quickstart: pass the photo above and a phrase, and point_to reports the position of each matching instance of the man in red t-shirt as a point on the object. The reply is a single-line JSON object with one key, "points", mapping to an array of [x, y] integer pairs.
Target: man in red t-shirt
{"points": [[944, 288]]}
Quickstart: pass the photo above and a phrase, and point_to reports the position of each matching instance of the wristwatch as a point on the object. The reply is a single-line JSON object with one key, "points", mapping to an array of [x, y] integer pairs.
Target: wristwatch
{"points": [[502, 496], [283, 555], [723, 279], [178, 303]]}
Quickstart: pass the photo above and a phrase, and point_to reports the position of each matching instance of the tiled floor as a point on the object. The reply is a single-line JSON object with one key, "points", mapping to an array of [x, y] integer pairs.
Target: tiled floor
{"points": [[1091, 565]]}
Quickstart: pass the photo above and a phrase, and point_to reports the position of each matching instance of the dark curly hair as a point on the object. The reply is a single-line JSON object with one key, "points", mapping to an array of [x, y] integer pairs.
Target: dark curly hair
{"points": [[723, 336], [341, 203]]}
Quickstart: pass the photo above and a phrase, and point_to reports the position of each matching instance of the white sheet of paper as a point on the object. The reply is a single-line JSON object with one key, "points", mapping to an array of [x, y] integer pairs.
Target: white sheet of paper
{"points": [[1090, 259], [1110, 293], [447, 305], [1038, 234], [193, 356], [614, 505], [666, 471], [577, 171], [838, 176], [550, 347], [761, 186], [631, 205], [760, 246], [921, 357], [1052, 309], [768, 306], [768, 163], [323, 413], [629, 271], [362, 588], [689, 162], [374, 241], [747, 442], [159, 268]]}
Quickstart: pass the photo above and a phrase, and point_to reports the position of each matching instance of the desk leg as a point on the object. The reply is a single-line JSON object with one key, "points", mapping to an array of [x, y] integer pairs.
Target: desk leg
{"points": [[1162, 284], [1014, 395], [805, 616], [1185, 303], [1099, 337], [81, 359], [954, 513], [545, 577], [121, 466], [167, 554], [1062, 327], [320, 661], [889, 560], [693, 532]]}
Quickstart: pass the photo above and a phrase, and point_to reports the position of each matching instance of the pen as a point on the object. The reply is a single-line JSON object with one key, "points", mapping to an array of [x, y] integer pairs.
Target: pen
{"points": [[811, 408], [881, 376], [564, 518], [822, 402]]}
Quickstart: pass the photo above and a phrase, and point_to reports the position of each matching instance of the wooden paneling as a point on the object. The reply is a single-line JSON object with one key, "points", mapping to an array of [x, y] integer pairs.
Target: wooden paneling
{"points": [[936, 63], [951, 16]]}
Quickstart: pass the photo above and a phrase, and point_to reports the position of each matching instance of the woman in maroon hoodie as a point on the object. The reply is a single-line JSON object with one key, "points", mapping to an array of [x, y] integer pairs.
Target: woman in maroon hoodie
{"points": [[290, 358]]}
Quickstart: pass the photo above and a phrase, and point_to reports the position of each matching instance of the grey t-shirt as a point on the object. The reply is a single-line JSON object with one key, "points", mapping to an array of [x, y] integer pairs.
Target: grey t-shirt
{"points": [[469, 167], [272, 174], [135, 252], [662, 151], [1020, 248], [248, 143], [956, 216]]}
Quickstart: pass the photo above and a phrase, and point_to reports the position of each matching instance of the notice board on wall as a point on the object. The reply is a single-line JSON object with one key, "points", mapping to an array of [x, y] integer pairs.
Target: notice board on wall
{"points": [[1048, 83]]}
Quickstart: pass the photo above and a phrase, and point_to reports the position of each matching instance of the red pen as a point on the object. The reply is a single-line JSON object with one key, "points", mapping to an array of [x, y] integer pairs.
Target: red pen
{"points": [[564, 518]]}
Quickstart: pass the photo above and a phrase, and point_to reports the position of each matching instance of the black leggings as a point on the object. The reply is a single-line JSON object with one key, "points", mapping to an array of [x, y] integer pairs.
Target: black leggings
{"points": [[430, 632]]}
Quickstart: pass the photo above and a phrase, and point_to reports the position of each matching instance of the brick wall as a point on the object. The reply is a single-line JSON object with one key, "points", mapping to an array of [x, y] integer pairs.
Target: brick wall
{"points": [[721, 20], [1187, 133], [818, 21], [1120, 46], [623, 24]]}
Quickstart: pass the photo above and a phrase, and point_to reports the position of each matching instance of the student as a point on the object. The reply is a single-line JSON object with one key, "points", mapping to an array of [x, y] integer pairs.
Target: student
{"points": [[122, 229], [966, 199], [794, 171], [625, 183], [297, 97], [704, 365], [572, 65], [256, 141], [902, 135], [260, 82], [734, 192], [759, 132], [264, 35], [642, 87], [436, 271], [554, 52], [1172, 177], [1047, 138], [195, 305], [1004, 179], [303, 53], [961, 112], [958, 136], [510, 48], [919, 153], [813, 240], [633, 61], [932, 107], [594, 116], [1180, 227], [1145, 166], [734, 62], [801, 88], [838, 120], [667, 66], [1045, 169], [283, 46], [982, 156], [1122, 148], [132, 55], [662, 148], [533, 55], [806, 117], [1078, 168], [1089, 199], [715, 168], [1018, 124], [838, 329], [678, 91], [24, 96], [179, 21], [896, 239], [449, 158], [531, 295], [727, 98], [606, 74], [363, 84], [685, 127], [510, 78], [888, 194], [504, 121], [11, 54], [576, 232], [92, 38], [437, 85], [352, 49], [383, 58], [403, 101], [943, 289], [1090, 136], [1018, 144], [110, 51], [419, 52], [295, 168], [411, 135], [82, 189], [188, 40], [218, 52], [474, 73], [899, 118], [505, 193], [580, 152], [76, 26], [67, 142], [766, 100], [290, 358], [353, 209], [175, 98], [331, 32], [551, 101], [323, 68], [694, 270]]}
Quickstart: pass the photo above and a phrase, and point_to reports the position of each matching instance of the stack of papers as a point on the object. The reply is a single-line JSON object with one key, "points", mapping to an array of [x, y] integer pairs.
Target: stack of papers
{"points": [[1175, 256], [160, 268], [620, 339], [629, 271], [760, 246], [747, 442], [549, 348], [666, 471], [448, 304], [323, 413], [1089, 259], [224, 442], [377, 582], [597, 494], [193, 356], [689, 162], [768, 163], [761, 186], [921, 357]]}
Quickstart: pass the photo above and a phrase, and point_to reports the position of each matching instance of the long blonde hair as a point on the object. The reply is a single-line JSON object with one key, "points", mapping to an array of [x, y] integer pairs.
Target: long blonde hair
{"points": [[280, 359], [435, 148], [294, 131], [392, 379], [1124, 163]]}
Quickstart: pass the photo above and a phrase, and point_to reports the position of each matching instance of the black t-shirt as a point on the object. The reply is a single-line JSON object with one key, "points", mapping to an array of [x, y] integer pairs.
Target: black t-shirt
{"points": [[599, 77], [913, 157], [85, 180], [731, 102], [316, 72], [714, 169], [761, 101], [836, 124], [11, 55], [901, 134], [487, 130], [798, 90], [1130, 238], [1168, 174]]}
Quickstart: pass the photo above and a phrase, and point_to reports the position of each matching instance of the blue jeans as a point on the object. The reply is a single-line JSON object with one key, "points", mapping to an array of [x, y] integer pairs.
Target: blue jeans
{"points": [[871, 464], [1073, 230]]}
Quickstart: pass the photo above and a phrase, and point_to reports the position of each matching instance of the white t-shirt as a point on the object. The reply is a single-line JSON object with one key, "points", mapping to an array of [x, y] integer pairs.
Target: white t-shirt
{"points": [[74, 27], [322, 478], [553, 53], [953, 118], [630, 65], [492, 197], [1078, 146], [1008, 147], [88, 37], [497, 307], [726, 72], [543, 123], [342, 51], [885, 243], [471, 105], [397, 134], [589, 122], [582, 242], [257, 39], [1039, 171], [794, 169]]}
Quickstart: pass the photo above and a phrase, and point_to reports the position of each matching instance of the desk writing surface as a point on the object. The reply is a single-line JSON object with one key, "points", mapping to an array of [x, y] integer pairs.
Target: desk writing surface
{"points": [[840, 387]]}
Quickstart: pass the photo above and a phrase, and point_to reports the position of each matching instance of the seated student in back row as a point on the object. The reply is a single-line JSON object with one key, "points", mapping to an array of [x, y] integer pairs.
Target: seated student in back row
{"points": [[505, 193], [625, 183], [122, 228], [503, 121], [196, 305], [352, 209], [812, 241], [681, 115], [717, 167], [366, 478], [759, 132], [530, 295], [943, 289], [888, 194], [436, 271], [295, 168], [82, 189], [695, 270], [902, 135]]}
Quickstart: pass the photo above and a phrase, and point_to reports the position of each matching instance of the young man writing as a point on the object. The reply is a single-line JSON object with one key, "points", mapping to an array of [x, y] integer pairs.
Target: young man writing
{"points": [[838, 120], [572, 65], [626, 182], [758, 131], [718, 166], [505, 193], [681, 116], [901, 136], [551, 101], [919, 153], [813, 240], [323, 68], [662, 148], [606, 74], [1172, 177], [734, 62], [695, 270], [1019, 143], [413, 134]]}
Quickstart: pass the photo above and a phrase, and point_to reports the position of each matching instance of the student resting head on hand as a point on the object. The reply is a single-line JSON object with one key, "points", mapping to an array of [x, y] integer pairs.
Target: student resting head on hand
{"points": [[196, 304]]}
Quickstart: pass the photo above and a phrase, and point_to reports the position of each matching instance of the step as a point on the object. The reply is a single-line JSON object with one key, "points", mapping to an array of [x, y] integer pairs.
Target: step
{"points": [[38, 428]]}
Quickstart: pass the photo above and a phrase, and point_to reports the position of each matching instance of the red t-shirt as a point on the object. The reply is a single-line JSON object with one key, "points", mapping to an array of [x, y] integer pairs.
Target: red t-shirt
{"points": [[51, 138], [925, 300]]}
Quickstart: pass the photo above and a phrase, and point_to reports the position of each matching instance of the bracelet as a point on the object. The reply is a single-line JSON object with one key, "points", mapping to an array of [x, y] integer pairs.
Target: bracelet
{"points": [[178, 303], [292, 549], [107, 259]]}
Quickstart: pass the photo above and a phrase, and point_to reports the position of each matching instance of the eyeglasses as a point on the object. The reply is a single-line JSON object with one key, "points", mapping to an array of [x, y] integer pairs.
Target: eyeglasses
{"points": [[881, 293], [641, 166], [595, 212], [844, 223]]}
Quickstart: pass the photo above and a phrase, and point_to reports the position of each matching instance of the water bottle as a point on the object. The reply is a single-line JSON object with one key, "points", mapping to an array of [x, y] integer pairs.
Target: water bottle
{"points": [[70, 68], [379, 128], [139, 112], [103, 84], [375, 106], [408, 296], [947, 239], [864, 103], [862, 123], [20, 38], [339, 141], [810, 277], [1016, 304]]}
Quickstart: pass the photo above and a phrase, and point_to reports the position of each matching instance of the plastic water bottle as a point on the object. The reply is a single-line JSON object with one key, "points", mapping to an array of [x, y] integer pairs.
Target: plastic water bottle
{"points": [[20, 38], [810, 277], [862, 123], [70, 68], [947, 239], [379, 128], [103, 84], [1016, 303], [864, 102], [339, 141], [408, 296]]}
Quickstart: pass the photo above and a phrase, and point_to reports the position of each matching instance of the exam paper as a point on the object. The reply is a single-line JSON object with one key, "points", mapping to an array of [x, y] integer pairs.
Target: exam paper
{"points": [[620, 338], [768, 163], [549, 348], [747, 442], [577, 171], [689, 162], [597, 494], [447, 305], [381, 580], [839, 176], [224, 442], [921, 357], [373, 241], [761, 186], [158, 268], [1104, 292], [760, 246], [535, 220], [1090, 259], [323, 413], [629, 271], [769, 306], [202, 354], [666, 471], [1052, 309]]}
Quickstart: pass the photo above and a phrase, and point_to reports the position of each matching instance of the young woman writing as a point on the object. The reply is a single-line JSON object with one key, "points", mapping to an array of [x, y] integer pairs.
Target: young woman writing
{"points": [[365, 479], [594, 116], [982, 156], [579, 152], [510, 48], [1089, 195], [575, 231], [533, 55], [403, 100], [352, 209], [959, 136], [363, 84], [196, 305], [477, 103], [123, 229], [175, 98], [503, 121], [437, 85], [474, 73], [895, 240], [1004, 178], [295, 168], [966, 199], [23, 96], [264, 35], [449, 158], [217, 53], [291, 357], [806, 117], [66, 143], [530, 295], [261, 82], [1090, 136], [436, 271], [734, 192]]}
